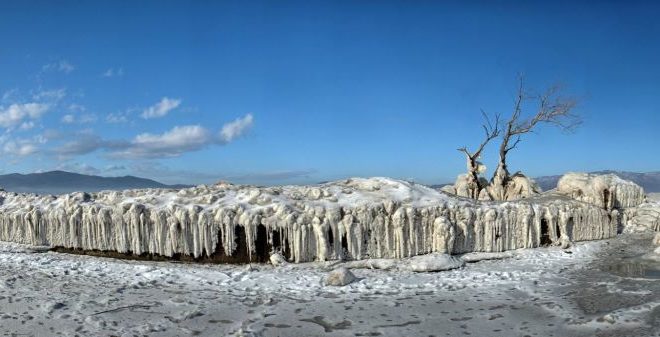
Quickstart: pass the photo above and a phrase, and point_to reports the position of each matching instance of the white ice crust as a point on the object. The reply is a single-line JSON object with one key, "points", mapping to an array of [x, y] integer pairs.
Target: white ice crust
{"points": [[354, 219], [607, 191]]}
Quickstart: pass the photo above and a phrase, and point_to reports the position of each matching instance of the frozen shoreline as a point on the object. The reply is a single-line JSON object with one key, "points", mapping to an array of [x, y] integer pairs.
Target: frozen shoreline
{"points": [[535, 291]]}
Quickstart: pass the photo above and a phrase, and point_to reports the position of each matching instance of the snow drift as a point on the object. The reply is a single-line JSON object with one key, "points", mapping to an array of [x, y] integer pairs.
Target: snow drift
{"points": [[349, 219]]}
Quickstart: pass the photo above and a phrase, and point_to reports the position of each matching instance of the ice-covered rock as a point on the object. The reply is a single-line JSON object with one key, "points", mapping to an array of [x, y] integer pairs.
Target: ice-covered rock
{"points": [[645, 217], [277, 259], [607, 191], [435, 262], [656, 239], [354, 218], [339, 277]]}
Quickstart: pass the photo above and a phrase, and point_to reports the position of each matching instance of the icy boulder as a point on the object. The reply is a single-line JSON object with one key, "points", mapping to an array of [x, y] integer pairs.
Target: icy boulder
{"points": [[276, 259], [339, 277], [607, 191], [645, 217], [435, 262]]}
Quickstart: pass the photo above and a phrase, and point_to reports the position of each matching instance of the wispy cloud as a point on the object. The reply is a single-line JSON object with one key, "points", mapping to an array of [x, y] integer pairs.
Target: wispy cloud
{"points": [[270, 177], [61, 66], [237, 128], [76, 167], [116, 118], [172, 143], [15, 114], [113, 72], [21, 147], [161, 108], [68, 119], [52, 95], [80, 119], [84, 142]]}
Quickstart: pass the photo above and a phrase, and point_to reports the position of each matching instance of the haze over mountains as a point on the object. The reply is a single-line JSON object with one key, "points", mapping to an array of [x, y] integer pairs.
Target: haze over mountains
{"points": [[59, 182], [650, 181]]}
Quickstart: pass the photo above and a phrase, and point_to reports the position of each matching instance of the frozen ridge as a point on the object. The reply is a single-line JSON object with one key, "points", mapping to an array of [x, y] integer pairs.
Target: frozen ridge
{"points": [[355, 219]]}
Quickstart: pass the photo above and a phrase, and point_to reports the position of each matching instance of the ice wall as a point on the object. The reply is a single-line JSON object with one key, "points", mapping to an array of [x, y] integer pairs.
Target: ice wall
{"points": [[607, 191], [354, 218]]}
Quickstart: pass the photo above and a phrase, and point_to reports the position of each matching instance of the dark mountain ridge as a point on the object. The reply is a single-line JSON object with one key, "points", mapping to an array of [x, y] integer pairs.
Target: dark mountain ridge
{"points": [[59, 182]]}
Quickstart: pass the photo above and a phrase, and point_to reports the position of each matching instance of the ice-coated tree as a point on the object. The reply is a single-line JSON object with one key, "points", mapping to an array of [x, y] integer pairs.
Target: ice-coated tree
{"points": [[473, 183], [530, 112]]}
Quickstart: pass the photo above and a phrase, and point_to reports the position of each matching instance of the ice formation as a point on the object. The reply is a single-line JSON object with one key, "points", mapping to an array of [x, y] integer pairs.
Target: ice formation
{"points": [[503, 187], [435, 262], [607, 191], [353, 219], [340, 277]]}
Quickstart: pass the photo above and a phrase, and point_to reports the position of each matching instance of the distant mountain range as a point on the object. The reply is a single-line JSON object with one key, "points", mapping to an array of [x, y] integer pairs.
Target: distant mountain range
{"points": [[59, 182], [650, 181]]}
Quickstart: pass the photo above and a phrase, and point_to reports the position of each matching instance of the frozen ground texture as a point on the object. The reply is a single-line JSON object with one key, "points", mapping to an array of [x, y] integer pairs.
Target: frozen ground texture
{"points": [[597, 288], [543, 291], [353, 219]]}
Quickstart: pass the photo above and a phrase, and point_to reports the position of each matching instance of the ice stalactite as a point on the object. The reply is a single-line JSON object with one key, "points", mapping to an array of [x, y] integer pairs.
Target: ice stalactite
{"points": [[354, 219]]}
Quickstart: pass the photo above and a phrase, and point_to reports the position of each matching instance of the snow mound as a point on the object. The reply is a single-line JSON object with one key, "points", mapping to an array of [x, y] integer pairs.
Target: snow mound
{"points": [[607, 191], [435, 262], [339, 277]]}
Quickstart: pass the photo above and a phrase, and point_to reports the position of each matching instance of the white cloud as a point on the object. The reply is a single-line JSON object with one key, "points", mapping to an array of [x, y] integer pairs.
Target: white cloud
{"points": [[113, 168], [83, 143], [161, 108], [15, 114], [87, 118], [82, 119], [82, 168], [169, 144], [27, 125], [62, 66], [172, 143], [50, 95], [21, 147], [116, 118], [68, 119], [112, 72], [235, 129], [76, 107], [9, 94]]}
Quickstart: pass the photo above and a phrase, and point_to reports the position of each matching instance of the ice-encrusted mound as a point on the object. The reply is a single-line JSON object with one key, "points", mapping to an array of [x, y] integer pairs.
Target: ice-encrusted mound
{"points": [[643, 217], [355, 219], [607, 191], [339, 277], [435, 262]]}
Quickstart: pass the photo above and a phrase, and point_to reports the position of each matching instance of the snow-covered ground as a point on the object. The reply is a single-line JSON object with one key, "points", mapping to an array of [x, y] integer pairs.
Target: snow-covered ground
{"points": [[586, 290]]}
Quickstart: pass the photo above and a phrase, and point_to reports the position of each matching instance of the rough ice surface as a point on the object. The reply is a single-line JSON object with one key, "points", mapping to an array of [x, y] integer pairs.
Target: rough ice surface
{"points": [[339, 277], [349, 219], [607, 191], [435, 262]]}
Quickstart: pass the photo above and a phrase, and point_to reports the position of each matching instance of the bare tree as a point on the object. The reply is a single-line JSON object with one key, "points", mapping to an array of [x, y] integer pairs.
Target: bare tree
{"points": [[552, 109], [491, 131]]}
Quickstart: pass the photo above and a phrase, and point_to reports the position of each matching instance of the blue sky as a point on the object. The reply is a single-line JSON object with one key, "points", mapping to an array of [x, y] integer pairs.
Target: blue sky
{"points": [[293, 92]]}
